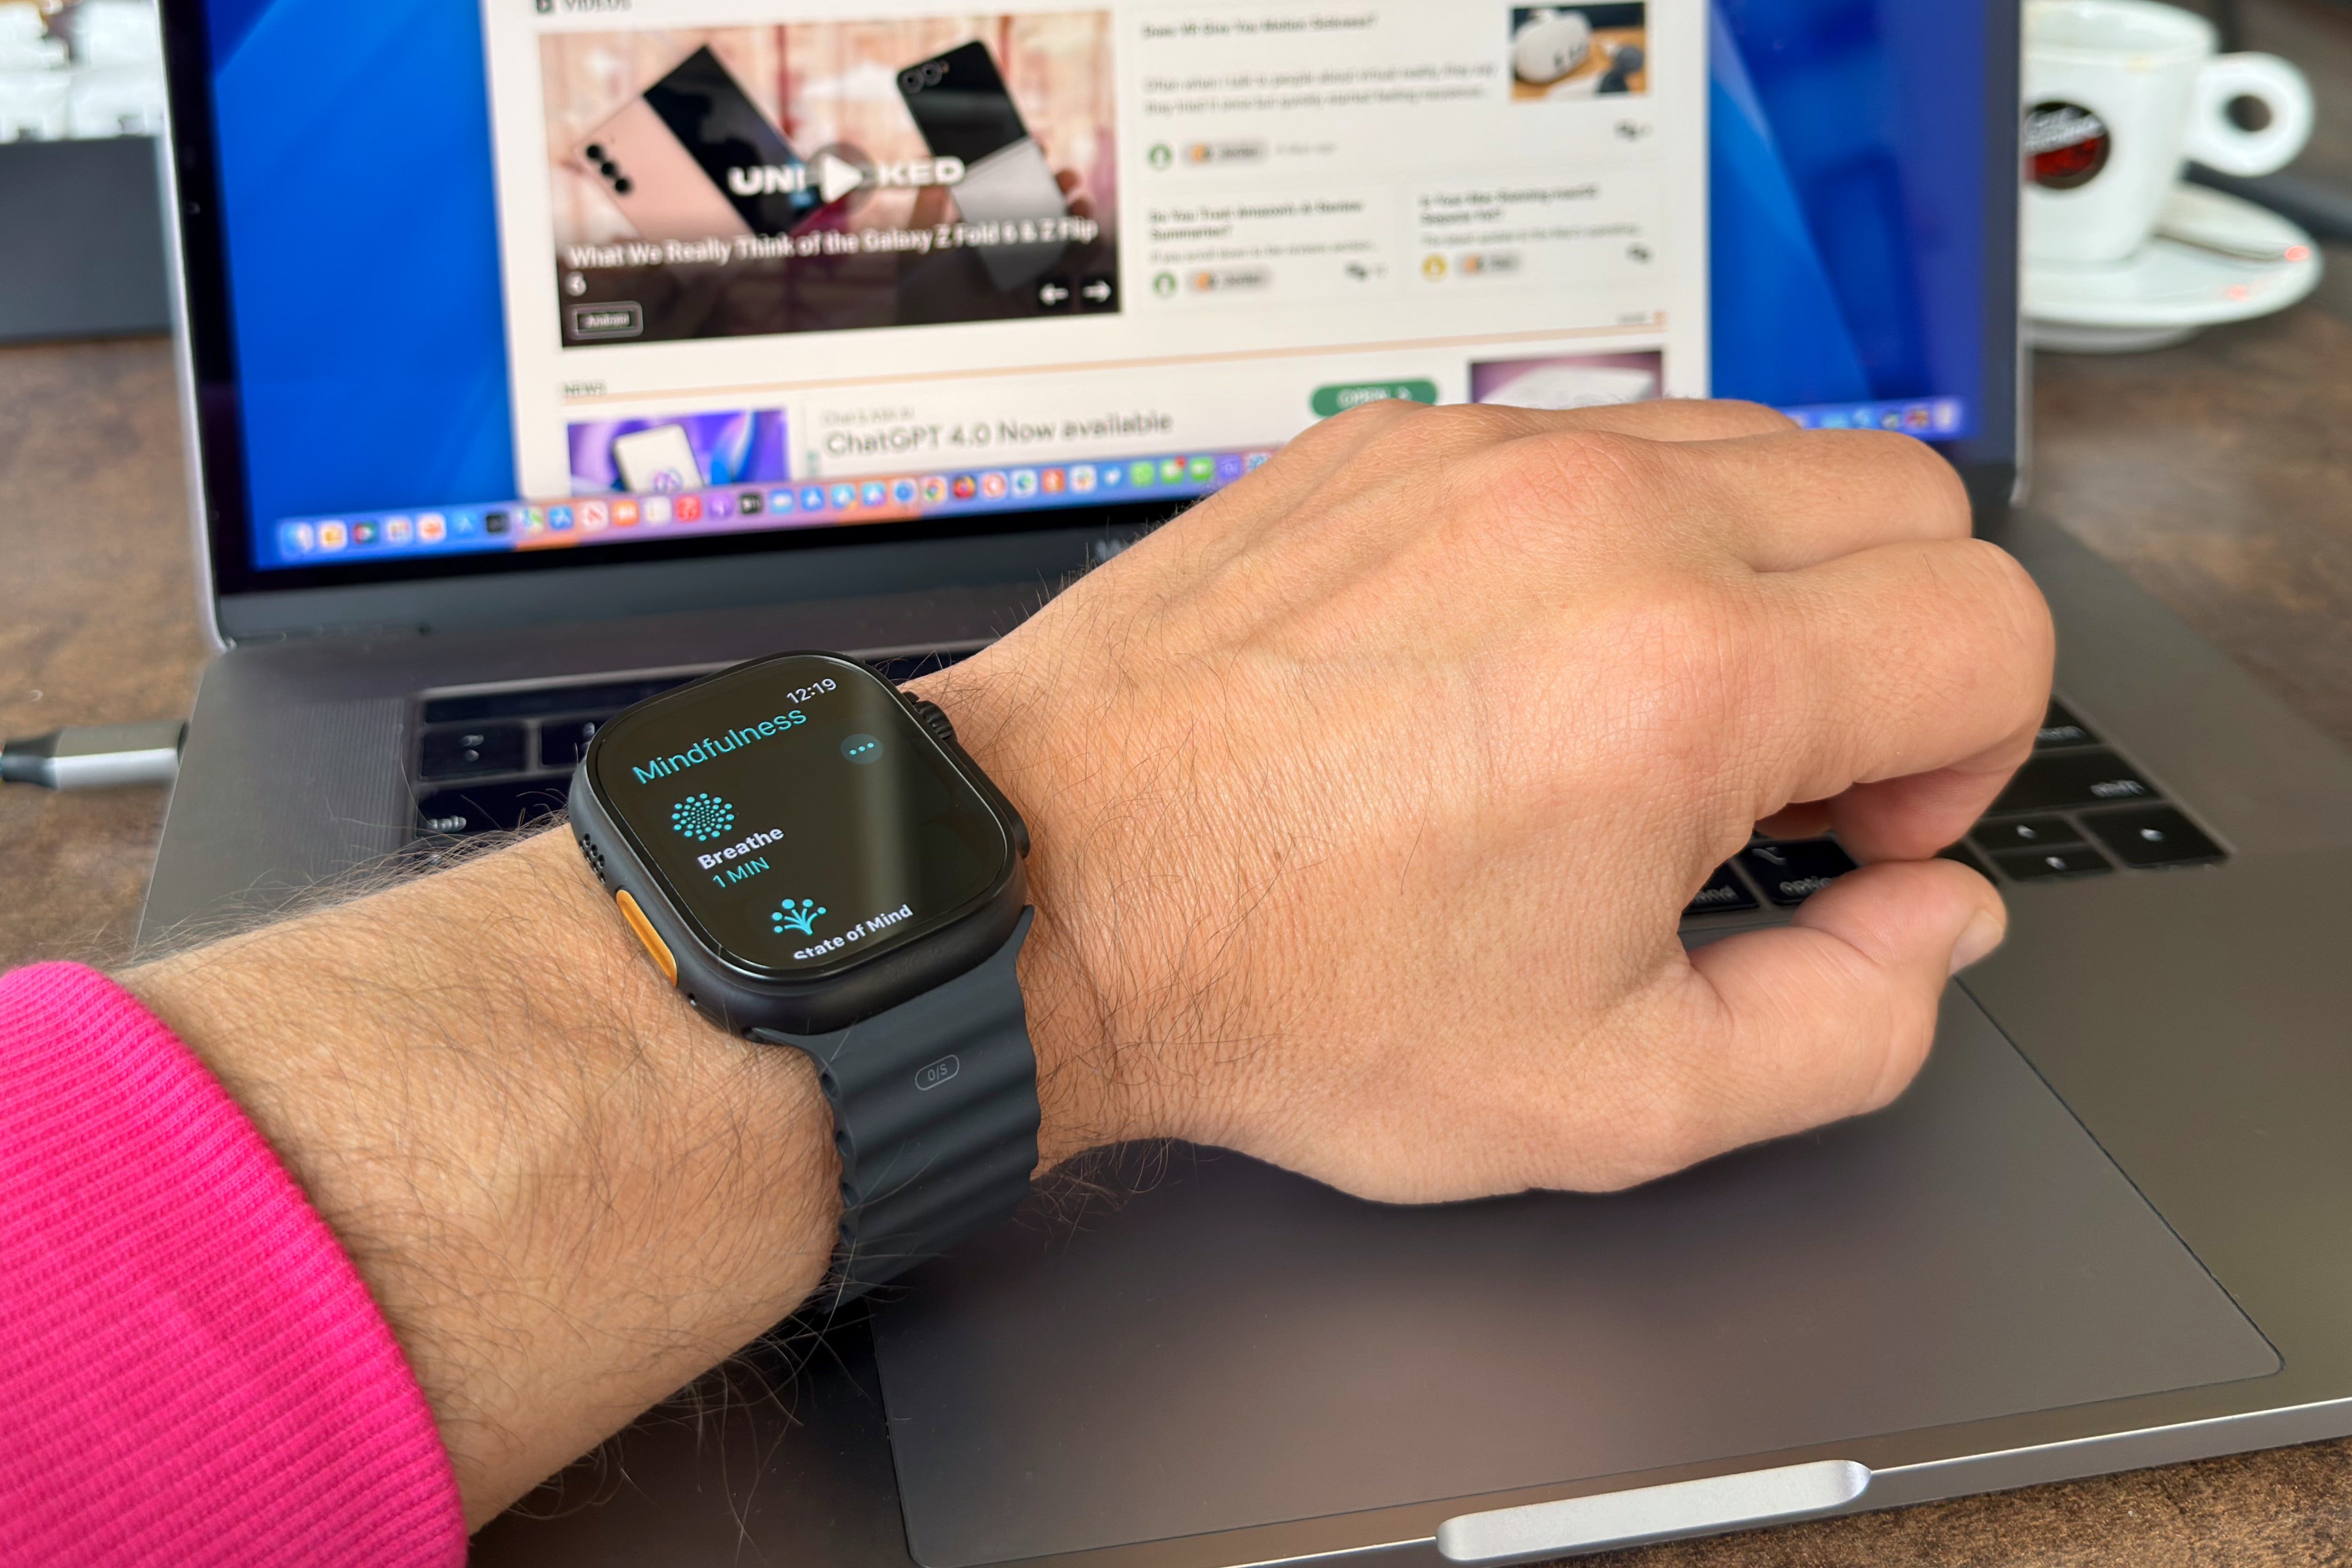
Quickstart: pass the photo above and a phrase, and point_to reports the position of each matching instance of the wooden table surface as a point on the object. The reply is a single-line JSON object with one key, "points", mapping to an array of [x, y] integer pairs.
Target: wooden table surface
{"points": [[2219, 475]]}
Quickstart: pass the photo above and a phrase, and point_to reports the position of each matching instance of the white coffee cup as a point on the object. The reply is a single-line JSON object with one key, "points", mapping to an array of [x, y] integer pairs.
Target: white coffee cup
{"points": [[2118, 94]]}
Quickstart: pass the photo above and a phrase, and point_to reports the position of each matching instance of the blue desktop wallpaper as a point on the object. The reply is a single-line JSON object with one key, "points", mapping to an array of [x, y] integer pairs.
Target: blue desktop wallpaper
{"points": [[1848, 199]]}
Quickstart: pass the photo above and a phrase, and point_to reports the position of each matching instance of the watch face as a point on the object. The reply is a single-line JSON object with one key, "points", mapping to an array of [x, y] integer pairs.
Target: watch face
{"points": [[798, 816]]}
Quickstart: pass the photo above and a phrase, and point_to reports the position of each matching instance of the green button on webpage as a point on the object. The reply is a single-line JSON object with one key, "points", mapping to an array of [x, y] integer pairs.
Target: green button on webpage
{"points": [[1339, 398]]}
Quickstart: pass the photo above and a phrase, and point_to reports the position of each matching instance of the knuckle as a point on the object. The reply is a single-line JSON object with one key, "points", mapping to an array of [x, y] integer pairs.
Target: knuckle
{"points": [[1383, 410], [1591, 473], [1452, 432], [1398, 435], [1981, 590], [1907, 1033], [1737, 417], [1886, 1023], [2012, 595], [1933, 487], [1366, 420], [1605, 460]]}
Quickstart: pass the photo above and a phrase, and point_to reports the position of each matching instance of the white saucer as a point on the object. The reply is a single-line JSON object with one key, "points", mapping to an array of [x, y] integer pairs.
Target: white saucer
{"points": [[2173, 288]]}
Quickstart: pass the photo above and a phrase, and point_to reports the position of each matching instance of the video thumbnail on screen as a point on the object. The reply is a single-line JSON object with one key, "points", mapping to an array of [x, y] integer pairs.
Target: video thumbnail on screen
{"points": [[730, 182]]}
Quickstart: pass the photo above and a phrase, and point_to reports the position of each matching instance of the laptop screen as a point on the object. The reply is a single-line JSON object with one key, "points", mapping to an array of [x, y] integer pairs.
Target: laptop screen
{"points": [[503, 283]]}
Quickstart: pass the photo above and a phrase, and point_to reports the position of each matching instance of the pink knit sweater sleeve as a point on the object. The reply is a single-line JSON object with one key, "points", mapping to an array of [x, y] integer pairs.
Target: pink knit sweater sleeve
{"points": [[191, 1371]]}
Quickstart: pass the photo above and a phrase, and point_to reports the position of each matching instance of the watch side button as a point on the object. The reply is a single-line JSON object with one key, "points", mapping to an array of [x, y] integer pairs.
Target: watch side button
{"points": [[935, 719], [656, 949]]}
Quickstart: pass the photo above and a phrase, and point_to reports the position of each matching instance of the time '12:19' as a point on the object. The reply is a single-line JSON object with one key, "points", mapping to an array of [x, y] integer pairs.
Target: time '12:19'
{"points": [[818, 689]]}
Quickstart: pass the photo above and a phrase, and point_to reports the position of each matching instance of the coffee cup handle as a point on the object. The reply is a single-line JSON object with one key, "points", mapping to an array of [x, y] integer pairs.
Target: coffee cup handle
{"points": [[2217, 142]]}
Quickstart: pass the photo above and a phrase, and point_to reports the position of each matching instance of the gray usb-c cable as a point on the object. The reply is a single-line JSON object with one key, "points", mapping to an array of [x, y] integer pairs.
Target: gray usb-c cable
{"points": [[98, 756]]}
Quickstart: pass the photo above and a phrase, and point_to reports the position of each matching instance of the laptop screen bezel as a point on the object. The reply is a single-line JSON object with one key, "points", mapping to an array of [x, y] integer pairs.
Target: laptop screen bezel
{"points": [[536, 583]]}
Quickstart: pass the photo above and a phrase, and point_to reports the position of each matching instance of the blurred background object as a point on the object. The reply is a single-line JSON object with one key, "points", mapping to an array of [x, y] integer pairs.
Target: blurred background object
{"points": [[81, 112], [118, 70], [2318, 192], [80, 71], [2122, 100], [36, 78]]}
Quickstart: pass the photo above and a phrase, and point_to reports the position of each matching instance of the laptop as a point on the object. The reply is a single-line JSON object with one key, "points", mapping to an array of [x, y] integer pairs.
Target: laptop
{"points": [[542, 355]]}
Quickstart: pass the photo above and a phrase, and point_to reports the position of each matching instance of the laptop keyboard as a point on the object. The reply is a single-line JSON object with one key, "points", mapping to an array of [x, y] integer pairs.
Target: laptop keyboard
{"points": [[2078, 808], [490, 761]]}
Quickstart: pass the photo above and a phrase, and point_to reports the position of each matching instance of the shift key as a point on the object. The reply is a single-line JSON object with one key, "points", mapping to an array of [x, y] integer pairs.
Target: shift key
{"points": [[2058, 780]]}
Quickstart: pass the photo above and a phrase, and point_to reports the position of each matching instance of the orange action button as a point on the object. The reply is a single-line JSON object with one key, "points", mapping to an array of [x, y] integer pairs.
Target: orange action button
{"points": [[656, 949]]}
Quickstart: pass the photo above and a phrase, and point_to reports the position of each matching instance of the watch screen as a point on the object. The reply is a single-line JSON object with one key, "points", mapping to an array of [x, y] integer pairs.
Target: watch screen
{"points": [[798, 814]]}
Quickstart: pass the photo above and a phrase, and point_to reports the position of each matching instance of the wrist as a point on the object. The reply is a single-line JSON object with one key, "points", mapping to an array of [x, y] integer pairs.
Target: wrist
{"points": [[568, 1195], [1079, 967]]}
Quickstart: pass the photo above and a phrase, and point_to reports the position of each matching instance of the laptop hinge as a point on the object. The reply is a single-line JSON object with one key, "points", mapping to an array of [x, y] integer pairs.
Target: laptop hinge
{"points": [[352, 629]]}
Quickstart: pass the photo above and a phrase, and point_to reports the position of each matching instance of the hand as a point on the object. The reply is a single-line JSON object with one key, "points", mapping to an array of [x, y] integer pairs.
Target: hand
{"points": [[1368, 794]]}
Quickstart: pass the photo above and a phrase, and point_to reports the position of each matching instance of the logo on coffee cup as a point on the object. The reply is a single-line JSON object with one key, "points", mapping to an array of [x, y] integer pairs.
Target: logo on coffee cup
{"points": [[2066, 145]]}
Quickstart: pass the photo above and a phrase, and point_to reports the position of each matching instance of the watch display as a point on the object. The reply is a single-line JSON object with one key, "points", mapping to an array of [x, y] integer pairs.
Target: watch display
{"points": [[799, 814]]}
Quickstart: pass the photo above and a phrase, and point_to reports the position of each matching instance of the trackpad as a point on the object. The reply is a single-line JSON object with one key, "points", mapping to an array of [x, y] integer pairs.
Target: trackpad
{"points": [[1238, 1347]]}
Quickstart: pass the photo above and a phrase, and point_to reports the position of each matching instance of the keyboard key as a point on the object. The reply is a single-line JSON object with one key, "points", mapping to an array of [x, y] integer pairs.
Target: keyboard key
{"points": [[2040, 864], [2060, 781], [563, 742], [491, 808], [2025, 833], [2061, 728], [2146, 836], [464, 749], [1791, 873], [1723, 893]]}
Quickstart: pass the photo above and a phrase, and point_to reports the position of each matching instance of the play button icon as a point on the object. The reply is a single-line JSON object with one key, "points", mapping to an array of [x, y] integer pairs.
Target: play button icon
{"points": [[835, 177], [842, 171]]}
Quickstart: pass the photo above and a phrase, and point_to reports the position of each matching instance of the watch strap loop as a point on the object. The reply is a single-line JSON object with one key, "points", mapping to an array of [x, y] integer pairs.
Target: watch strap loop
{"points": [[935, 1116]]}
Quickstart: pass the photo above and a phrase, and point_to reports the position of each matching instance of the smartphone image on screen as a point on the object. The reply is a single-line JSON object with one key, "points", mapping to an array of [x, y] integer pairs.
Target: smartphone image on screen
{"points": [[693, 158], [659, 462], [962, 109]]}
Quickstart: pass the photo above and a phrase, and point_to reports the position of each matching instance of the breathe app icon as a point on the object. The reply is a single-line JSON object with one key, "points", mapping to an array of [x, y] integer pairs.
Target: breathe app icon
{"points": [[702, 818]]}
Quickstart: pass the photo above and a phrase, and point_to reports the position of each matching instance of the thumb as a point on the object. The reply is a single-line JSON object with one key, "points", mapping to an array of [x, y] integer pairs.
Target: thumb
{"points": [[1832, 1016]]}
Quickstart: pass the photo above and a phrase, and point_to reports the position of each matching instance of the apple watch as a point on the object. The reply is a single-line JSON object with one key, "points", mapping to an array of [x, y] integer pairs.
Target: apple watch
{"points": [[811, 857]]}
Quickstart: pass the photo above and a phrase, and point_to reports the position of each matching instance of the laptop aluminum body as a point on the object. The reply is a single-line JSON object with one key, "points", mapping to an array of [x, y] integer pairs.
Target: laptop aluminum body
{"points": [[2112, 1226]]}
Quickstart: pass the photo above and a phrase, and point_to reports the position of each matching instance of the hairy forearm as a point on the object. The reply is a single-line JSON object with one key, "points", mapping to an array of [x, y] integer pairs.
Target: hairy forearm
{"points": [[568, 1194]]}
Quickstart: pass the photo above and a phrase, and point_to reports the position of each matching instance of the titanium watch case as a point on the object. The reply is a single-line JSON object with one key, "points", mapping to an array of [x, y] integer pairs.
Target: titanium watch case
{"points": [[741, 1002]]}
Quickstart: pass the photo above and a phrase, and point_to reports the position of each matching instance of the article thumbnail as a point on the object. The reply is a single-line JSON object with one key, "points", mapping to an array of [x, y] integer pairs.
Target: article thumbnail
{"points": [[670, 453], [1571, 381], [730, 182], [1578, 51]]}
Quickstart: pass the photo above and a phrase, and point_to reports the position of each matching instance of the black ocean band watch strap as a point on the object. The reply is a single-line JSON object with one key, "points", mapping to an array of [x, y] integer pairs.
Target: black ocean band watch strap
{"points": [[935, 1114]]}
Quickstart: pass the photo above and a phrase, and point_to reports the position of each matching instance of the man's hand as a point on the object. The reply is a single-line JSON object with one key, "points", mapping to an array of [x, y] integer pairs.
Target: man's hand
{"points": [[1366, 797], [1368, 794]]}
